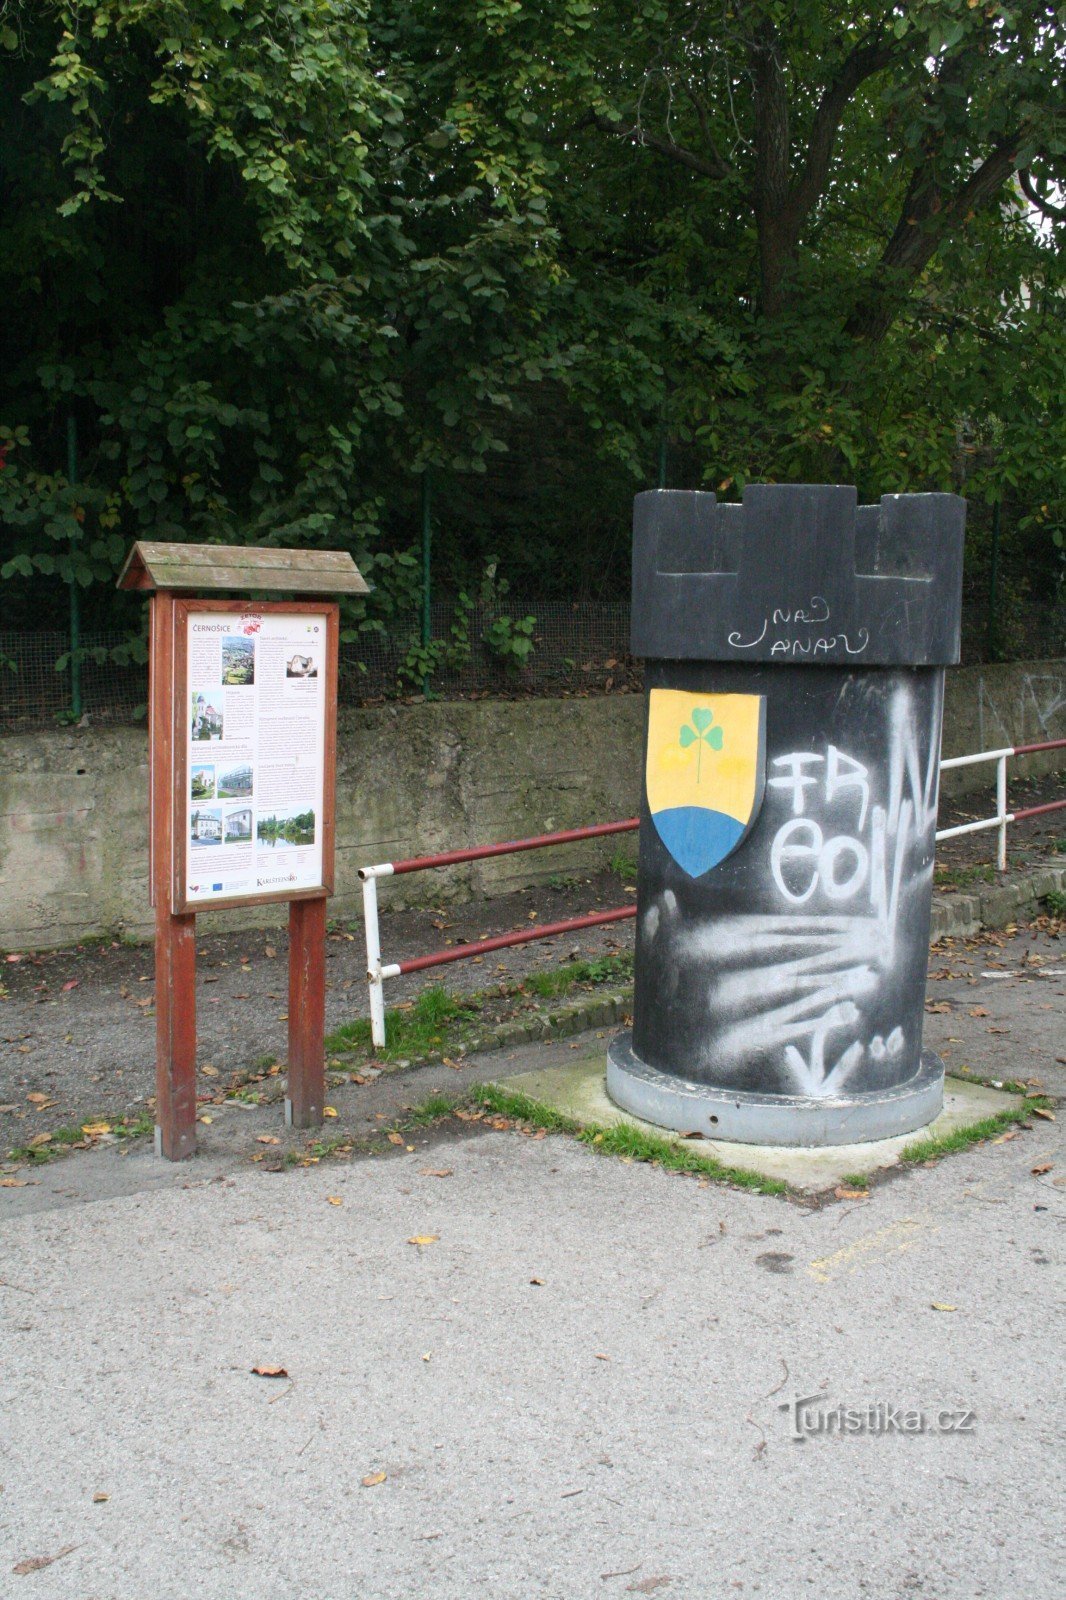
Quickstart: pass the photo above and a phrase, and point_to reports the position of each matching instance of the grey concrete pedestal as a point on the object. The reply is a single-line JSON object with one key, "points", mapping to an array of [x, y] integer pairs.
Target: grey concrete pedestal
{"points": [[742, 1117]]}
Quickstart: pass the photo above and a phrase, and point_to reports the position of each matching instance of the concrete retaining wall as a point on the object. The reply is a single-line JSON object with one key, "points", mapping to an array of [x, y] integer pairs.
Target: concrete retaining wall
{"points": [[73, 806]]}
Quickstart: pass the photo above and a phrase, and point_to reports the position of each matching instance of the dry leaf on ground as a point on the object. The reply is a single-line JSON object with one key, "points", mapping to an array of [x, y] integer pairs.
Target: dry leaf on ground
{"points": [[35, 1563], [265, 1371], [373, 1478], [424, 1238]]}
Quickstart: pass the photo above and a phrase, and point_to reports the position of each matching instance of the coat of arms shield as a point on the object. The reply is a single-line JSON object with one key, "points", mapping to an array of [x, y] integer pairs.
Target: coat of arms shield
{"points": [[705, 772]]}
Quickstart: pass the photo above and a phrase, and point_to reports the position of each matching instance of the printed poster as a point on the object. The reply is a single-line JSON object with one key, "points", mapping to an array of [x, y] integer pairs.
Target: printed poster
{"points": [[255, 724]]}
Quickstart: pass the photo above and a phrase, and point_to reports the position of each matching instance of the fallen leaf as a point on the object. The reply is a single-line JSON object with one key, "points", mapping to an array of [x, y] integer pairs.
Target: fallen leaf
{"points": [[601, 1357], [100, 1498], [39, 1099], [71, 983], [12, 1183], [937, 1005], [335, 1199], [329, 1111], [264, 1371], [394, 1138], [208, 1120], [538, 1281], [267, 1138], [979, 1011], [270, 952], [851, 1194], [40, 1139], [208, 1070], [374, 1478], [93, 1130], [1048, 1116], [437, 1172], [942, 1305], [424, 1238], [1005, 1137], [1045, 1166], [35, 1563]]}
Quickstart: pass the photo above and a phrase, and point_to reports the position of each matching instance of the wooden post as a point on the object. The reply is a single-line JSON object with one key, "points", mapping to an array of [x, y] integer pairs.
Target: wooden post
{"points": [[175, 936], [307, 1013]]}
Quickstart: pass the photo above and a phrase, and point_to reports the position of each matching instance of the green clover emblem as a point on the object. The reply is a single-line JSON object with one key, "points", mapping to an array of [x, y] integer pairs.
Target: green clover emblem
{"points": [[698, 731]]}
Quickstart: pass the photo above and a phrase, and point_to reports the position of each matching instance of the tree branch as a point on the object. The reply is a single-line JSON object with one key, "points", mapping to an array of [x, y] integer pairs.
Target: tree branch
{"points": [[1028, 188], [864, 62], [927, 217], [708, 167]]}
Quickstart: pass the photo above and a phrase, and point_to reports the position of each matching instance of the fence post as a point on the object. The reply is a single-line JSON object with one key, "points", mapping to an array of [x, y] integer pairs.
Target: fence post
{"points": [[993, 584], [427, 536], [1001, 812], [75, 602], [373, 961]]}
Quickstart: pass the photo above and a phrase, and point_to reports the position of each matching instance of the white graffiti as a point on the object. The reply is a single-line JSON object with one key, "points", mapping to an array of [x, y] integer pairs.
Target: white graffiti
{"points": [[811, 614], [797, 984]]}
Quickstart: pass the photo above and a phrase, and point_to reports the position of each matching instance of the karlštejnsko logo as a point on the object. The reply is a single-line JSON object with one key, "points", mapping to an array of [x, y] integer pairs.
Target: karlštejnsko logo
{"points": [[705, 772]]}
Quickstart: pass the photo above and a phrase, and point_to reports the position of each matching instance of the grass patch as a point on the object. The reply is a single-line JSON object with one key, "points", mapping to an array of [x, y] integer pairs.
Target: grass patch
{"points": [[65, 1139], [432, 1109], [960, 877], [1056, 902], [624, 1140], [962, 1138], [561, 980], [441, 1023], [436, 1021]]}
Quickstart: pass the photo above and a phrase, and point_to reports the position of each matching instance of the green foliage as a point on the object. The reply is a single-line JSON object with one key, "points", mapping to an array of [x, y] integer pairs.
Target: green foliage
{"points": [[274, 258], [510, 640]]}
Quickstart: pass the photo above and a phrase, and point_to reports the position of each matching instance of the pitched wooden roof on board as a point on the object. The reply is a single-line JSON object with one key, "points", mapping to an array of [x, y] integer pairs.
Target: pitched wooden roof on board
{"points": [[196, 567]]}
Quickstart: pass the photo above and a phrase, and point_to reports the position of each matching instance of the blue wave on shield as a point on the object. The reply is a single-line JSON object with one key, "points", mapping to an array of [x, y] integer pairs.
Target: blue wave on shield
{"points": [[696, 837]]}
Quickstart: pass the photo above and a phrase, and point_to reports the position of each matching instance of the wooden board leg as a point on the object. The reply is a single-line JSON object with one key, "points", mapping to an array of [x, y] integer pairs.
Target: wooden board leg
{"points": [[175, 1028], [307, 1013]]}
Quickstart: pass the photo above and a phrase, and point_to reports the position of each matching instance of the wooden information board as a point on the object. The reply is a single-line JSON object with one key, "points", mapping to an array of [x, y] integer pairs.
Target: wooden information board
{"points": [[242, 765]]}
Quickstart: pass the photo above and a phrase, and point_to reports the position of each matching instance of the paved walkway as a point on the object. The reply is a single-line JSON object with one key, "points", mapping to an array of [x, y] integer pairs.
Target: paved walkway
{"points": [[573, 1389]]}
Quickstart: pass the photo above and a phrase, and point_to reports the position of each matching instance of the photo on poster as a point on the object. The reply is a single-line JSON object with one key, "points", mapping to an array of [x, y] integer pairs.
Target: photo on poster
{"points": [[205, 826], [238, 660], [235, 783], [207, 714], [237, 825], [291, 826], [300, 665], [202, 782]]}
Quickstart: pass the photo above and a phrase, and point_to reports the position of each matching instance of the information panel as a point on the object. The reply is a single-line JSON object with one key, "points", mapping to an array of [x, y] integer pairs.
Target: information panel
{"points": [[257, 697]]}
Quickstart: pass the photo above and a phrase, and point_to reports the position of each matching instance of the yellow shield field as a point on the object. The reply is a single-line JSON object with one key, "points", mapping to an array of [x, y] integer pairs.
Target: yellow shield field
{"points": [[705, 772]]}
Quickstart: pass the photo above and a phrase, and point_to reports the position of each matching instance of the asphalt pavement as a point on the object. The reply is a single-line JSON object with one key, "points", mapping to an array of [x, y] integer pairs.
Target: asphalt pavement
{"points": [[584, 1379]]}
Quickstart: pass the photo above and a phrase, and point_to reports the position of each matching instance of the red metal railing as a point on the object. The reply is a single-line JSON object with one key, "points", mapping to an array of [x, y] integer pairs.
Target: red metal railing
{"points": [[377, 973]]}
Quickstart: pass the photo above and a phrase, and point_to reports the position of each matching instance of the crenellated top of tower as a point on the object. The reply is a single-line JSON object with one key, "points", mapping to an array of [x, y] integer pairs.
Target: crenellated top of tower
{"points": [[798, 573]]}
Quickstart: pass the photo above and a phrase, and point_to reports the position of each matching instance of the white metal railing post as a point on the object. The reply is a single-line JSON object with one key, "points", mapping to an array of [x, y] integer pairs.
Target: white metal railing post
{"points": [[373, 959], [1001, 810]]}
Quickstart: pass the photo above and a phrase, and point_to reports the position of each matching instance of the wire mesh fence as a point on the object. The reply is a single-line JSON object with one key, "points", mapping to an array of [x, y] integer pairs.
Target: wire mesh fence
{"points": [[577, 648]]}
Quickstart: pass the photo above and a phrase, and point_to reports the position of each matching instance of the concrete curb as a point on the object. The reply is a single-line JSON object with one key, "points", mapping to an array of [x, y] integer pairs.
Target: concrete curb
{"points": [[960, 916]]}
